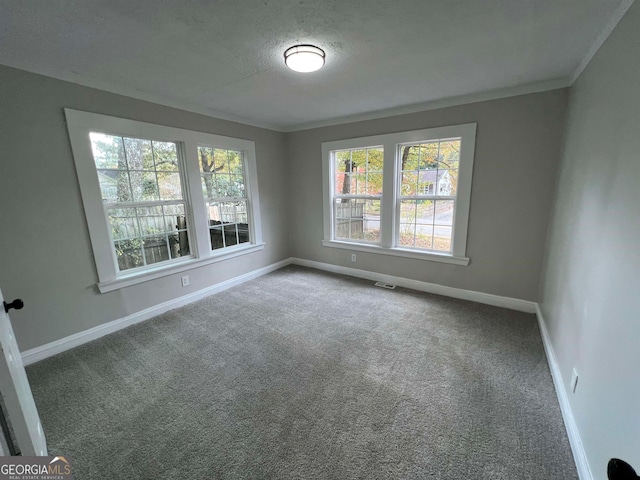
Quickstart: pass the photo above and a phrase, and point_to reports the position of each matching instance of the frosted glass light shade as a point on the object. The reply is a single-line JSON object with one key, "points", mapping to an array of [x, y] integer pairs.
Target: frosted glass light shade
{"points": [[304, 58]]}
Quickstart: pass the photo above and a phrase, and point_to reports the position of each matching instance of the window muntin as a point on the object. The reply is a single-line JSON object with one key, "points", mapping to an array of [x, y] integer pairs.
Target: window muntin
{"points": [[225, 195], [165, 208], [357, 186], [427, 194], [424, 211], [143, 199]]}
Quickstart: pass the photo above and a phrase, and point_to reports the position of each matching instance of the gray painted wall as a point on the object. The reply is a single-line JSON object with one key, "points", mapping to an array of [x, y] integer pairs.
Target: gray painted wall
{"points": [[591, 285], [45, 251], [518, 149]]}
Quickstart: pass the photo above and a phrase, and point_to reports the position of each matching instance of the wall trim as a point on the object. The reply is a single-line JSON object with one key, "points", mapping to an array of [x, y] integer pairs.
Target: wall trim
{"points": [[58, 346], [486, 298], [579, 455], [483, 96], [584, 471], [61, 345]]}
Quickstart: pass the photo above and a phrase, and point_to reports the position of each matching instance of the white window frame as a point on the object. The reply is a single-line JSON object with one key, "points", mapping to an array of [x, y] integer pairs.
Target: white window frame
{"points": [[356, 196], [390, 204], [81, 124]]}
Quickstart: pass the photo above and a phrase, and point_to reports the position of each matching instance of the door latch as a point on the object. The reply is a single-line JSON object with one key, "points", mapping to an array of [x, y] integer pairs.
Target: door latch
{"points": [[17, 304]]}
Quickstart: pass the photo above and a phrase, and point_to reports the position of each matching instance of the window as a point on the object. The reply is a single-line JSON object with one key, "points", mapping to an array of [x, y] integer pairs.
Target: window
{"points": [[223, 186], [147, 215], [404, 194], [425, 221], [358, 192], [142, 194]]}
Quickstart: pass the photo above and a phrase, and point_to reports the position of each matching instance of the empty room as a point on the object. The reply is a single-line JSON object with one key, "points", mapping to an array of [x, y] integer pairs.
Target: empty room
{"points": [[320, 239]]}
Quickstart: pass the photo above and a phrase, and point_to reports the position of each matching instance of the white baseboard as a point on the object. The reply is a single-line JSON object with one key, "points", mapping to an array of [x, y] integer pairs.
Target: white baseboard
{"points": [[584, 471], [58, 346], [486, 298], [579, 455]]}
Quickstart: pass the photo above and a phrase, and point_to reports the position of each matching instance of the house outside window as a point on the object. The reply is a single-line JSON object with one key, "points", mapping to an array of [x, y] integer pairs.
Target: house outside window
{"points": [[421, 207], [160, 200]]}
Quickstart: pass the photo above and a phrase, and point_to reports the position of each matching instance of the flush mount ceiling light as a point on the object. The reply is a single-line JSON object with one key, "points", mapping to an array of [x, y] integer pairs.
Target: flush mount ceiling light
{"points": [[304, 58]]}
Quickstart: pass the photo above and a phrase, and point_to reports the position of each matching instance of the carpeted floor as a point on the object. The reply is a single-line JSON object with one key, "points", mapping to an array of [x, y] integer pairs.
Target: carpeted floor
{"points": [[303, 374]]}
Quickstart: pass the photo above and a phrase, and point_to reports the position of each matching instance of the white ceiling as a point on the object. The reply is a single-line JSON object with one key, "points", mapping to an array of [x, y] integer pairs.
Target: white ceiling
{"points": [[225, 58]]}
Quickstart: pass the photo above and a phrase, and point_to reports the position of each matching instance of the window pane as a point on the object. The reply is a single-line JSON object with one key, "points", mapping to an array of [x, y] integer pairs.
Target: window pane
{"points": [[139, 154], [342, 168], [179, 243], [443, 225], [108, 151], [124, 223], [129, 254], [222, 172], [228, 223], [208, 185], [230, 234], [205, 156], [165, 156], [235, 162], [423, 168], [138, 186], [223, 186], [442, 238], [449, 155], [416, 223], [374, 184], [344, 211], [217, 237], [156, 249], [169, 186], [235, 211], [114, 185], [170, 210], [448, 182], [151, 220], [357, 219], [429, 156], [427, 182], [237, 188], [227, 185], [407, 234], [359, 183], [409, 183], [220, 163], [217, 160], [371, 219], [147, 235], [341, 183], [375, 160], [358, 172], [410, 157], [444, 212]]}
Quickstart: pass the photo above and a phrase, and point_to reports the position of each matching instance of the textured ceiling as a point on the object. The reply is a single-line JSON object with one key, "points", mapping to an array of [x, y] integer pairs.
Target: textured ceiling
{"points": [[225, 58]]}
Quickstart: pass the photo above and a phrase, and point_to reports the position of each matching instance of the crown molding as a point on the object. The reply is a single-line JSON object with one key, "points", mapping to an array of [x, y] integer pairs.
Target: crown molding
{"points": [[441, 103], [602, 37]]}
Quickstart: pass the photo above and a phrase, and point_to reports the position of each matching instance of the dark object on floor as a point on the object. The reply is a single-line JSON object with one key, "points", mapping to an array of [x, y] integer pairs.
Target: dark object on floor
{"points": [[620, 470]]}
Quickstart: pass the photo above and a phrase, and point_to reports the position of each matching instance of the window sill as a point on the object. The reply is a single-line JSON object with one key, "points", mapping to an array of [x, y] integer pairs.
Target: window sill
{"points": [[398, 252], [177, 267]]}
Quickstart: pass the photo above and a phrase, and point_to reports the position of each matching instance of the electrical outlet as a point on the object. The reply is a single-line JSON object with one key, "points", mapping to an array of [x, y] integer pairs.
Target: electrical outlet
{"points": [[574, 380], [185, 280], [353, 257]]}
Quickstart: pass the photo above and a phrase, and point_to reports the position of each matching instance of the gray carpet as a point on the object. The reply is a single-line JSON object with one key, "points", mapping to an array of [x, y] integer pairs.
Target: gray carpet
{"points": [[304, 374]]}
